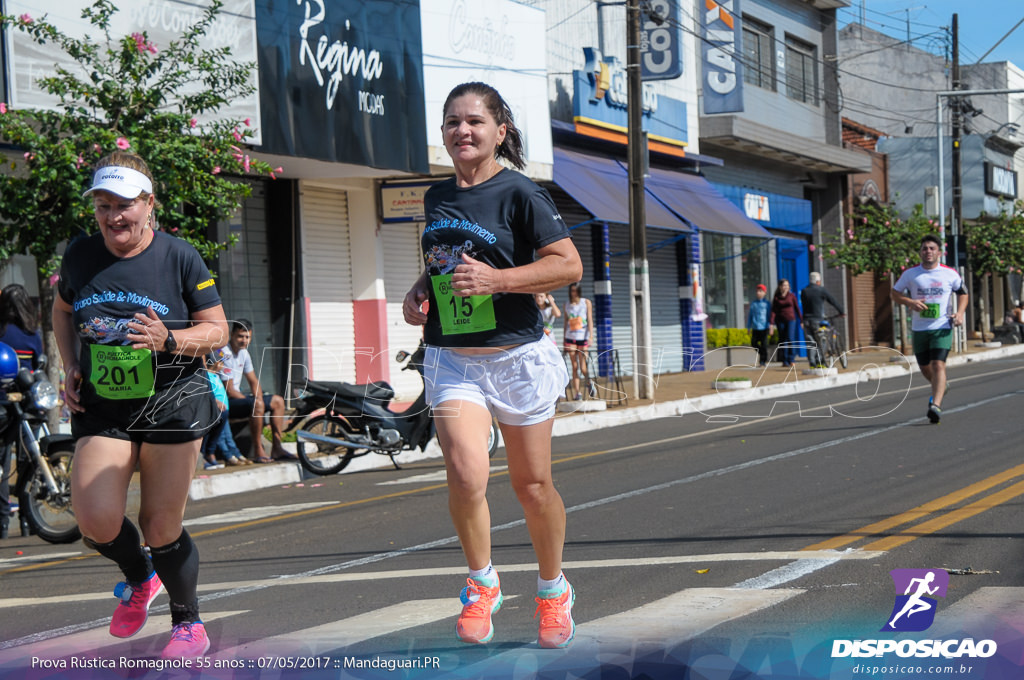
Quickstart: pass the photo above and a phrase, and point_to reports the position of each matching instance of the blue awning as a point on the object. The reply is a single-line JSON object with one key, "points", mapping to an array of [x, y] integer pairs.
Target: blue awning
{"points": [[675, 200], [702, 204], [601, 186]]}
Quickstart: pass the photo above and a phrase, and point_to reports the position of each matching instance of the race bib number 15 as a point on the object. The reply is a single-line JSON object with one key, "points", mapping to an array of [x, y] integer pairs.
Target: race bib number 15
{"points": [[121, 372], [470, 314]]}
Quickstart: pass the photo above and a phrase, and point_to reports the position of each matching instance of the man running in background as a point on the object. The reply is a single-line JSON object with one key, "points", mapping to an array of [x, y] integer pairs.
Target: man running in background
{"points": [[931, 286]]}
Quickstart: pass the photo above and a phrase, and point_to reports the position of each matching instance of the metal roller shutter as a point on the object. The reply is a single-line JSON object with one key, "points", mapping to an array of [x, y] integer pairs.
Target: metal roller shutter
{"points": [[666, 327], [327, 277], [402, 266]]}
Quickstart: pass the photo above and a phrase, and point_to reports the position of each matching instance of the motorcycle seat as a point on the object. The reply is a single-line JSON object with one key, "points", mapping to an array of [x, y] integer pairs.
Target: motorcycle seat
{"points": [[378, 391]]}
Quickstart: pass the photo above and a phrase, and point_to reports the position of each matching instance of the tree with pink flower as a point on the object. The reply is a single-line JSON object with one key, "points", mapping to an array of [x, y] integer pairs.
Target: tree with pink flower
{"points": [[134, 95]]}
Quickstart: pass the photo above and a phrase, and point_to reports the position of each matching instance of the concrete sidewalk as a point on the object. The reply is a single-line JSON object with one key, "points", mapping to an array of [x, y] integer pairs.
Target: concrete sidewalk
{"points": [[675, 394]]}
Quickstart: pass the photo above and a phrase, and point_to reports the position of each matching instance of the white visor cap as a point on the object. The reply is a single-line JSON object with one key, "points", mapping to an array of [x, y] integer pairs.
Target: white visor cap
{"points": [[123, 182]]}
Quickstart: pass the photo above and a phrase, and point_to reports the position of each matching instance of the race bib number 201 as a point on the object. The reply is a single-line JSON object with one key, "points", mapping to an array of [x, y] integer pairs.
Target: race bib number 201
{"points": [[470, 314], [121, 372]]}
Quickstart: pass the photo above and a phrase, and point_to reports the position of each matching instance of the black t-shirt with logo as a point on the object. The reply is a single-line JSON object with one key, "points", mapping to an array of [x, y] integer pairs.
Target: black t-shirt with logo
{"points": [[501, 222], [106, 291]]}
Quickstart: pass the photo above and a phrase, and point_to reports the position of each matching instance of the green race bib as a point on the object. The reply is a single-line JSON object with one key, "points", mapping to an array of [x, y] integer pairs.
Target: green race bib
{"points": [[931, 312], [121, 372], [470, 314]]}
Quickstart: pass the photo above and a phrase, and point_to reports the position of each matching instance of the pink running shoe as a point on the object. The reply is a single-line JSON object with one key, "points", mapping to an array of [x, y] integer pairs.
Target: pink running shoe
{"points": [[130, 616], [188, 640]]}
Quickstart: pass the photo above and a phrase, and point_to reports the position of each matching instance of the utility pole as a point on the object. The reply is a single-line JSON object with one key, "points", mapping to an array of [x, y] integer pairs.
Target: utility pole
{"points": [[639, 279], [956, 214]]}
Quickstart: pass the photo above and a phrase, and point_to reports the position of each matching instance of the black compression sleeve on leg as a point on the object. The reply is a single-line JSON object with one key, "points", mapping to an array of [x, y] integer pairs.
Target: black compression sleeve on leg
{"points": [[177, 565], [127, 551]]}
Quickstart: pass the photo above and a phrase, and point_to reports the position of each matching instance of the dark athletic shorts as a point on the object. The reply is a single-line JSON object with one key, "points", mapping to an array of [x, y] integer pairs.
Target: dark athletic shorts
{"points": [[932, 346], [182, 412]]}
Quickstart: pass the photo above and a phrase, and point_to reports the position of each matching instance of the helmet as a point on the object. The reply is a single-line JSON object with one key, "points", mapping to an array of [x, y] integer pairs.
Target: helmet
{"points": [[8, 363]]}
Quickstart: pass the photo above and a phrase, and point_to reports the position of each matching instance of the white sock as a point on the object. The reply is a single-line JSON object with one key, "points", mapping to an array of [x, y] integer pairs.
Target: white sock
{"points": [[485, 576], [556, 584]]}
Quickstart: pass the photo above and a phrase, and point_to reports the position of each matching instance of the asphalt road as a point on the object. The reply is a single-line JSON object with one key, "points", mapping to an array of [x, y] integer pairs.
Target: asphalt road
{"points": [[749, 538]]}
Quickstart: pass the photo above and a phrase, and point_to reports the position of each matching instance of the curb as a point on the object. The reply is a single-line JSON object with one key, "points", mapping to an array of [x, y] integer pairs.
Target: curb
{"points": [[263, 476]]}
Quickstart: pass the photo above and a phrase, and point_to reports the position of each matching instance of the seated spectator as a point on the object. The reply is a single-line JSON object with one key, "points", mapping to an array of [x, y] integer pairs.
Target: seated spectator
{"points": [[237, 363], [19, 325], [219, 440]]}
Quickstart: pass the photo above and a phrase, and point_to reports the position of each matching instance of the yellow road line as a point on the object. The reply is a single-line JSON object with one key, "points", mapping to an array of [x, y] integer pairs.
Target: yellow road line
{"points": [[922, 511], [950, 518]]}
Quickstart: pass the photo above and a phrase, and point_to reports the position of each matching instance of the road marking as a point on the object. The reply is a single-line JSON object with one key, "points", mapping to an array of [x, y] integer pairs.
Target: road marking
{"points": [[920, 511], [950, 518], [335, 635], [92, 638], [438, 476], [987, 612], [825, 557], [28, 559], [258, 512]]}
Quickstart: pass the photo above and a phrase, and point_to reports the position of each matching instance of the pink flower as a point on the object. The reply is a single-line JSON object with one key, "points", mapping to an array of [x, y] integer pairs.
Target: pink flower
{"points": [[122, 143], [864, 220], [25, 18], [216, 169], [79, 162], [97, 148], [831, 251], [192, 122], [278, 169], [236, 135], [247, 122], [887, 223], [245, 163], [54, 278], [3, 107], [811, 248]]}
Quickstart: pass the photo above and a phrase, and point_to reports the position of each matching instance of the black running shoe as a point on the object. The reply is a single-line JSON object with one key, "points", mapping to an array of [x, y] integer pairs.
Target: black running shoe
{"points": [[934, 413]]}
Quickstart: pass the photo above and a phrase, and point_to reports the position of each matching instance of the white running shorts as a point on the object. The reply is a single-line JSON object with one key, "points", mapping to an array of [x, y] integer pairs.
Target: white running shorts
{"points": [[519, 386]]}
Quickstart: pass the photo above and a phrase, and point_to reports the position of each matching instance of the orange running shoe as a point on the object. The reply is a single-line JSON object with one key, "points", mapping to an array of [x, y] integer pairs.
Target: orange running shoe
{"points": [[478, 604], [557, 629]]}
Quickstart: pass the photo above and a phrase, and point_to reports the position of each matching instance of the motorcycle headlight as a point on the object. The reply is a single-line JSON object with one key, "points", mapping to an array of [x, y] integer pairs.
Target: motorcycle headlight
{"points": [[44, 395]]}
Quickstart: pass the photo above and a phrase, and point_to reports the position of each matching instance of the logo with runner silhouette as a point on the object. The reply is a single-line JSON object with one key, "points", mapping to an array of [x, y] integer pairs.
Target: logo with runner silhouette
{"points": [[916, 590]]}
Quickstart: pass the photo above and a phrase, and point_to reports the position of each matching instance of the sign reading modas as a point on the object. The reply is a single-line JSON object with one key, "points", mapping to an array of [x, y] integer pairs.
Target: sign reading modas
{"points": [[340, 80]]}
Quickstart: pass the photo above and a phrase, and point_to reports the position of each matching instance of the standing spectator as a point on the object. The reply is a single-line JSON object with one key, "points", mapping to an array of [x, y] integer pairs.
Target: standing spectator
{"points": [[236, 364], [757, 323], [138, 394], [786, 317], [19, 325], [493, 238], [576, 337], [813, 298], [549, 311], [930, 285]]}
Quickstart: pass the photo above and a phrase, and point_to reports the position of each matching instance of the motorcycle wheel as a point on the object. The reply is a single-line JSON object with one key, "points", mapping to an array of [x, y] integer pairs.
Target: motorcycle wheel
{"points": [[51, 517], [492, 439], [321, 458]]}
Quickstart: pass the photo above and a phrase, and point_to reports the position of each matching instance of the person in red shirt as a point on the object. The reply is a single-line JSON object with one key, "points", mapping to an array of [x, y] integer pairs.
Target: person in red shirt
{"points": [[786, 317]]}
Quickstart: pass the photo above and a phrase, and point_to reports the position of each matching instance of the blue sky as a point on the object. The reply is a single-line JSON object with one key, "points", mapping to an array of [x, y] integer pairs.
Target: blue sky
{"points": [[982, 24]]}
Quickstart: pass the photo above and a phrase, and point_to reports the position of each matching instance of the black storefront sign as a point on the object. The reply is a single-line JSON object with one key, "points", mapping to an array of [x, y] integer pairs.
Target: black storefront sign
{"points": [[342, 80]]}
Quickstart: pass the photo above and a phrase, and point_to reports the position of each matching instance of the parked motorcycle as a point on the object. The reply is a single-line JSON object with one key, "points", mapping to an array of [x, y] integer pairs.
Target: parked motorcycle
{"points": [[356, 420], [43, 460]]}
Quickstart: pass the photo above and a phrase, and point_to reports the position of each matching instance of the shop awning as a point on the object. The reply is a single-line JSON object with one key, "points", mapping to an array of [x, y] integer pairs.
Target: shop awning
{"points": [[701, 204], [601, 185], [675, 200]]}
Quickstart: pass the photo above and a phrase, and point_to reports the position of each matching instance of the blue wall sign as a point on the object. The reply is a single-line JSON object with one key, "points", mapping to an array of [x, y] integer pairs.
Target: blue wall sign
{"points": [[722, 70], [661, 40]]}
